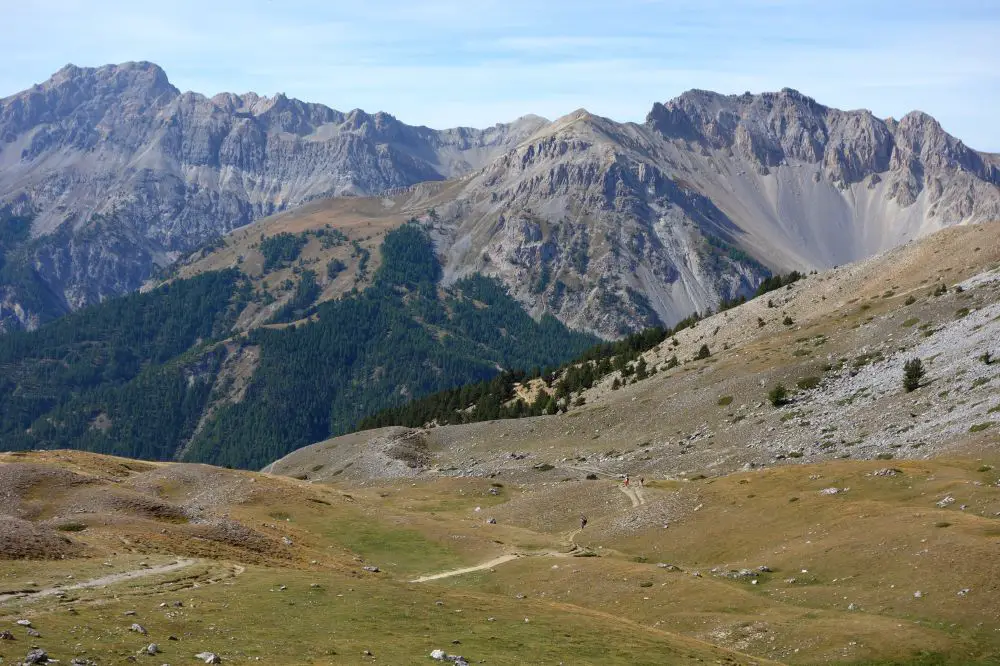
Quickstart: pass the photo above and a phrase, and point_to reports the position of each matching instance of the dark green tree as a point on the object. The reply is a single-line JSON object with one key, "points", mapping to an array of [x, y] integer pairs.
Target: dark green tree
{"points": [[913, 372]]}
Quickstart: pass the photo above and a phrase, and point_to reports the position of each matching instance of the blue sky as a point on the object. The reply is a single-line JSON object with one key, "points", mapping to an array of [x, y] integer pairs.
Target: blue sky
{"points": [[445, 62]]}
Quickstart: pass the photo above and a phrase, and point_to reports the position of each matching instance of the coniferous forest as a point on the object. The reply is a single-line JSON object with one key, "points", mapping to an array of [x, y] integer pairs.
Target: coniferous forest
{"points": [[136, 376]]}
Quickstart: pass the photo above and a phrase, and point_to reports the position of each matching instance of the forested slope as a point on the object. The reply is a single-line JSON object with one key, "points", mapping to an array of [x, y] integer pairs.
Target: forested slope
{"points": [[137, 376], [401, 338]]}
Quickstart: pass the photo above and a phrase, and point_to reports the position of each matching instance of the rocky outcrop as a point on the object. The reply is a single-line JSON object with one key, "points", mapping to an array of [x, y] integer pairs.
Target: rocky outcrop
{"points": [[608, 226], [612, 227], [811, 186], [579, 222], [119, 151]]}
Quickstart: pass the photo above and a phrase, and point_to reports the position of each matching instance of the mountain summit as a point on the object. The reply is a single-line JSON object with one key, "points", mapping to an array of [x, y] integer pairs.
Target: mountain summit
{"points": [[122, 173], [109, 173]]}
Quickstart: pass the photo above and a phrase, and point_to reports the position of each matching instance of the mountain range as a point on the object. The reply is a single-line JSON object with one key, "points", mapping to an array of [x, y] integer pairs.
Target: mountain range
{"points": [[110, 175]]}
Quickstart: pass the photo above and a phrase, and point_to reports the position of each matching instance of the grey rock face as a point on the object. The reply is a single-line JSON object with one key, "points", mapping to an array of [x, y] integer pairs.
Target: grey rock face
{"points": [[849, 183], [124, 173], [610, 227], [579, 222]]}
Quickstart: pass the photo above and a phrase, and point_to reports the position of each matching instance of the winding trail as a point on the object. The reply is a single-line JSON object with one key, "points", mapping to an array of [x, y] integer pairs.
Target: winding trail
{"points": [[479, 567], [634, 494], [110, 579], [210, 578]]}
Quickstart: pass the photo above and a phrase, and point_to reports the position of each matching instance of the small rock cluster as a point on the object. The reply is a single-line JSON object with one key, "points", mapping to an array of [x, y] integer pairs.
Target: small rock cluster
{"points": [[441, 655]]}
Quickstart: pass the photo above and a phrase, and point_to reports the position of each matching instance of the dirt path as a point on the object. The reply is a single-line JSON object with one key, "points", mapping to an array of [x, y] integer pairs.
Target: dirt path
{"points": [[634, 494], [479, 567], [110, 579]]}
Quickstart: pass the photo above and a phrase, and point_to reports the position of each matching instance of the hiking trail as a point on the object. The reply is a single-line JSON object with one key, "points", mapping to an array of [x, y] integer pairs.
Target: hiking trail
{"points": [[110, 579]]}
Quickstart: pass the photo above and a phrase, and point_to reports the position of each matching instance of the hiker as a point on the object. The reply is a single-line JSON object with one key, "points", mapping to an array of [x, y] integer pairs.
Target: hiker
{"points": [[642, 482], [626, 480], [583, 521]]}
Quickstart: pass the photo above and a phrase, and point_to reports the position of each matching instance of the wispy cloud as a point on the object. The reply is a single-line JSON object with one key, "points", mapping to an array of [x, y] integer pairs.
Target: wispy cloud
{"points": [[451, 62]]}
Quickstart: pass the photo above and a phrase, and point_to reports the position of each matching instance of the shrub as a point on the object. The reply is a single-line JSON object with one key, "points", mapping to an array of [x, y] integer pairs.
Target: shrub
{"points": [[334, 268], [703, 353], [71, 527], [787, 321], [979, 427], [778, 395], [940, 290], [961, 312], [884, 456], [987, 358], [591, 477], [808, 383], [913, 372], [545, 467], [725, 400], [910, 300]]}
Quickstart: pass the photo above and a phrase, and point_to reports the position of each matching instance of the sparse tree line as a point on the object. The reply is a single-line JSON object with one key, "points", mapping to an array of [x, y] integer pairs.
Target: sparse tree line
{"points": [[498, 398]]}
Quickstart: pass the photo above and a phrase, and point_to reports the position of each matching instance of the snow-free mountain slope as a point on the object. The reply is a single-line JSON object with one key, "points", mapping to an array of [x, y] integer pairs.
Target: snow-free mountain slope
{"points": [[122, 173], [611, 227]]}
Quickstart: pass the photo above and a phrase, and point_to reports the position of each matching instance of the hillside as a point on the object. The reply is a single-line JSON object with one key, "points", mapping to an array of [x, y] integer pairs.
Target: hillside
{"points": [[836, 340], [161, 375], [758, 567], [854, 522]]}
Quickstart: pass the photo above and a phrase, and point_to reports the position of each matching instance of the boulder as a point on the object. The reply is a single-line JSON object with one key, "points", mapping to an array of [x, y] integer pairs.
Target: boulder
{"points": [[37, 657]]}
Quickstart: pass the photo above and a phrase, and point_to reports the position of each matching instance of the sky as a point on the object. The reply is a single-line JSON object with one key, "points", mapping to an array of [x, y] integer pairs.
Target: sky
{"points": [[444, 63]]}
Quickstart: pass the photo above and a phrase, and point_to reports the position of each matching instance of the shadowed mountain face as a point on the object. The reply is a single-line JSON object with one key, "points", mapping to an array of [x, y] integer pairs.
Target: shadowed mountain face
{"points": [[608, 226]]}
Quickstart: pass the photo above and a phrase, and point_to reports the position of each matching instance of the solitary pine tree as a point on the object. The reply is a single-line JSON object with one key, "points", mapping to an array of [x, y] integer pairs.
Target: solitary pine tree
{"points": [[913, 372]]}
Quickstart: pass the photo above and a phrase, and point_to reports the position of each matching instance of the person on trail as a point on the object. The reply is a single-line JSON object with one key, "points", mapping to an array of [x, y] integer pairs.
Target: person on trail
{"points": [[583, 521], [626, 480], [642, 482]]}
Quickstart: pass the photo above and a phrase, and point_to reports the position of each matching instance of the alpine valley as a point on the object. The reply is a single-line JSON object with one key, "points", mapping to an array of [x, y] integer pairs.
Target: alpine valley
{"points": [[227, 279], [718, 388]]}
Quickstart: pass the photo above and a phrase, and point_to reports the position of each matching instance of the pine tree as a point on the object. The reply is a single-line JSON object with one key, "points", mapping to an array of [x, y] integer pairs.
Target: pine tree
{"points": [[913, 372], [552, 407]]}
